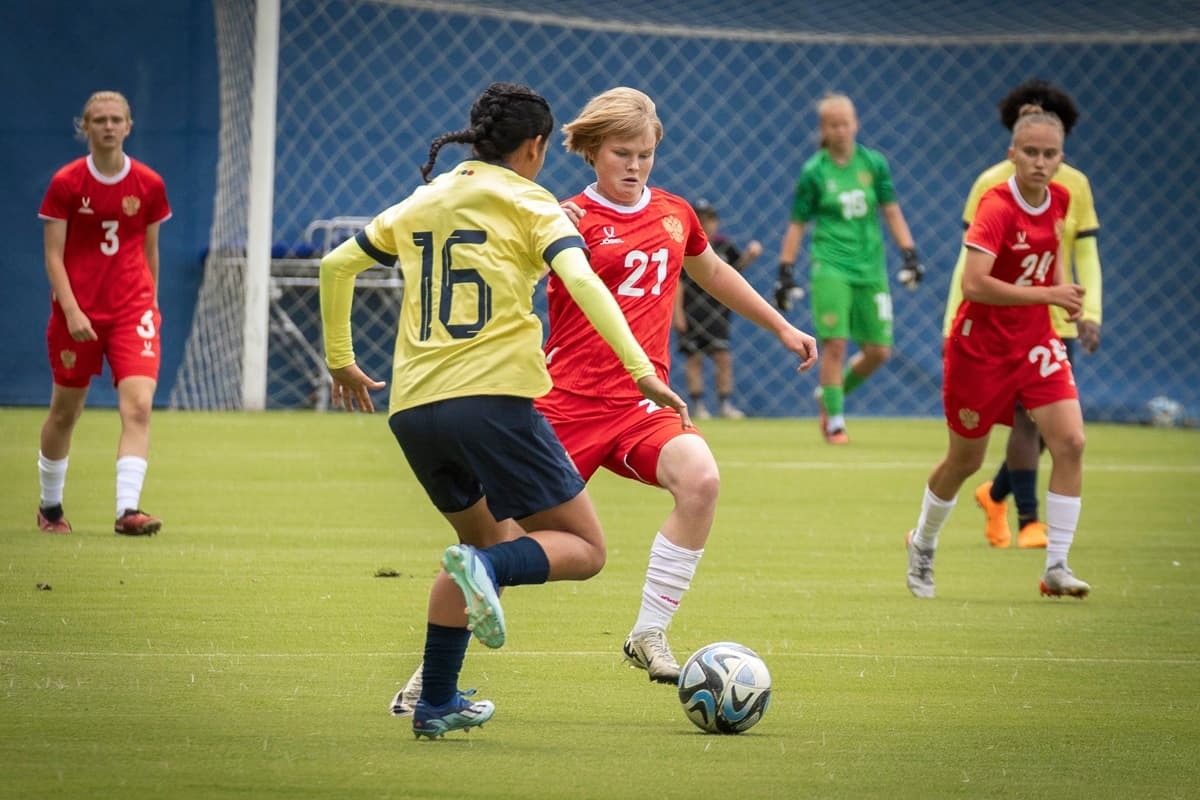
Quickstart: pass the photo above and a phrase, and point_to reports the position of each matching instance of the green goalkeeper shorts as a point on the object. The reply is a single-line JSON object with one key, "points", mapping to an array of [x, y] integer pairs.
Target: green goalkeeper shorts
{"points": [[841, 310]]}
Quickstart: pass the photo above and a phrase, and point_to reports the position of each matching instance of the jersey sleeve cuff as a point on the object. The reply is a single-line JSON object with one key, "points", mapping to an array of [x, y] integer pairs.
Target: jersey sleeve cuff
{"points": [[387, 259], [562, 244]]}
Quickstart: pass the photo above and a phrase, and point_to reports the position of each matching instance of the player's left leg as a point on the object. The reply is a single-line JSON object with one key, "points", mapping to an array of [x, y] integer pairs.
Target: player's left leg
{"points": [[1061, 424], [134, 353], [683, 464], [871, 329], [135, 399]]}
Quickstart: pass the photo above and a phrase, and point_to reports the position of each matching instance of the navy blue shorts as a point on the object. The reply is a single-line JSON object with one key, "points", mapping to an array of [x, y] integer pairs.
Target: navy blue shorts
{"points": [[498, 447]]}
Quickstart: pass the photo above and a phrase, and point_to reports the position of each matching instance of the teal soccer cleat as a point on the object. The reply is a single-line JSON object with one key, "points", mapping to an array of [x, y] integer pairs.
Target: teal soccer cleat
{"points": [[485, 618]]}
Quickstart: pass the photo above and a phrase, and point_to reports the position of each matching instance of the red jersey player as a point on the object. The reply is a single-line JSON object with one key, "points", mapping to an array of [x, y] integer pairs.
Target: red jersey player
{"points": [[101, 215], [1003, 350], [640, 238]]}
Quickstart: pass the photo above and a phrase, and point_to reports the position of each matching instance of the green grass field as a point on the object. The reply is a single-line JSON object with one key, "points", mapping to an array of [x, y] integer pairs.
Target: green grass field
{"points": [[249, 650]]}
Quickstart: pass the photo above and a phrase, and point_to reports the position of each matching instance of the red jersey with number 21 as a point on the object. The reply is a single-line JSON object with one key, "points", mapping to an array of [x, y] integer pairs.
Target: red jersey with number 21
{"points": [[106, 218], [1025, 241], [638, 252]]}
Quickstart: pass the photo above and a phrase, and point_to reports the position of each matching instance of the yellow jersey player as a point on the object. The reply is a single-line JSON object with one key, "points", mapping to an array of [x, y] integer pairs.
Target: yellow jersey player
{"points": [[472, 244], [1081, 260]]}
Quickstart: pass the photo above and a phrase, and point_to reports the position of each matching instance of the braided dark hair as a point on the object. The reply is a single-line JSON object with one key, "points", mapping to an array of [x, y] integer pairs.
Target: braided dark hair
{"points": [[1047, 96], [503, 117]]}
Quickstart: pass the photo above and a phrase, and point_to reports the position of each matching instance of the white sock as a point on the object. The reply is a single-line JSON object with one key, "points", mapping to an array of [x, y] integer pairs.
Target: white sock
{"points": [[668, 576], [131, 474], [1062, 517], [934, 513], [837, 422], [52, 477]]}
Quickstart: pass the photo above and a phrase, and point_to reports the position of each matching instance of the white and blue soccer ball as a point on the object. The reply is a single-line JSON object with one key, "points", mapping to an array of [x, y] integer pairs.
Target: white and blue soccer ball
{"points": [[1165, 412], [724, 688]]}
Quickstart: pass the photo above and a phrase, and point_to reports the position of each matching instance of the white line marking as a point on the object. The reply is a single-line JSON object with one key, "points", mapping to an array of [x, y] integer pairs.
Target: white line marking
{"points": [[616, 656], [849, 466]]}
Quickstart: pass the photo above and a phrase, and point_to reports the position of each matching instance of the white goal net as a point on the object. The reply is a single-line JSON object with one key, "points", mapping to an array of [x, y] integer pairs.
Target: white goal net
{"points": [[364, 86]]}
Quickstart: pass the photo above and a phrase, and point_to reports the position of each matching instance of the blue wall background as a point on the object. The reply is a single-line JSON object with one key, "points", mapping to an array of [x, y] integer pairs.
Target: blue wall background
{"points": [[55, 53], [1137, 142]]}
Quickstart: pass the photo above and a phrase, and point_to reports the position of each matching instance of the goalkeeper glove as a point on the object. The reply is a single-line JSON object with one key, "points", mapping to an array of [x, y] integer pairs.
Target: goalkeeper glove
{"points": [[786, 290], [911, 274]]}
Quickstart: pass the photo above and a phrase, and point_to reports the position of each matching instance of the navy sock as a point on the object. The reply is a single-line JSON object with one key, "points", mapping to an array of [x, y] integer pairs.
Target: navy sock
{"points": [[445, 649], [518, 563], [1000, 484], [1024, 489]]}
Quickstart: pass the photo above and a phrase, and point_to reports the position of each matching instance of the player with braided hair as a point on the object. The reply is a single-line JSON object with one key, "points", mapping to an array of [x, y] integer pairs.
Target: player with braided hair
{"points": [[472, 244], [1018, 473]]}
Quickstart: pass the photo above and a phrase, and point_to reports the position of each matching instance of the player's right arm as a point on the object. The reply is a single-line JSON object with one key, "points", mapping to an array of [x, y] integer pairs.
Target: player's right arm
{"points": [[954, 298], [351, 386], [55, 241], [602, 311]]}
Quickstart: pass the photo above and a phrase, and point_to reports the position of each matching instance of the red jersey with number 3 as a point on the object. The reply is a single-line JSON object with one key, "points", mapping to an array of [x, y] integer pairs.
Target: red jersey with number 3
{"points": [[638, 252], [1025, 241], [106, 218]]}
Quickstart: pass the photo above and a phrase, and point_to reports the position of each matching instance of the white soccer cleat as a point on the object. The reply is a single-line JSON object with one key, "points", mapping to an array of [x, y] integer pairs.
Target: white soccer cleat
{"points": [[650, 651], [1058, 580], [405, 701], [920, 569]]}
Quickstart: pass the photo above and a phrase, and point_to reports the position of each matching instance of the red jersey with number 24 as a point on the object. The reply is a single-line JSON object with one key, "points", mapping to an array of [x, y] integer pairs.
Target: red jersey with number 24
{"points": [[1025, 241], [106, 218], [638, 252]]}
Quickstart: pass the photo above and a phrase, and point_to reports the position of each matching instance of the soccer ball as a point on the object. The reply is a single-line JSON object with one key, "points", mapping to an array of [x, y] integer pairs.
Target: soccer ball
{"points": [[724, 688]]}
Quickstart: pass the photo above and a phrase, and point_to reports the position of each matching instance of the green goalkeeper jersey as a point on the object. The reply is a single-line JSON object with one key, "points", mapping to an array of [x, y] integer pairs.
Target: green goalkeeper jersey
{"points": [[842, 203]]}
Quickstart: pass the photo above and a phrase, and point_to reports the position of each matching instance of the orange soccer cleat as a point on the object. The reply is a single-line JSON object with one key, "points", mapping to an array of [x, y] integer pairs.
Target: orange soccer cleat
{"points": [[997, 531], [1032, 535]]}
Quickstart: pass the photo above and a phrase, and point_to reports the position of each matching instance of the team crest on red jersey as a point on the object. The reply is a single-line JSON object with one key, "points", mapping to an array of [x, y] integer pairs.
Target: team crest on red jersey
{"points": [[968, 418], [67, 357], [673, 227], [130, 205]]}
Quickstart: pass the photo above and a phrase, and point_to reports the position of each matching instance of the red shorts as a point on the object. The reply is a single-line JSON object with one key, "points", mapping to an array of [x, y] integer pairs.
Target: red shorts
{"points": [[978, 393], [130, 343], [625, 436]]}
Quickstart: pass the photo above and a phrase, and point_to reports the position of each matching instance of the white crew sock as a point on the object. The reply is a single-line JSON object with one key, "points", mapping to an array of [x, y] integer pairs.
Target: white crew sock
{"points": [[1062, 517], [131, 474], [52, 477], [934, 513], [668, 576]]}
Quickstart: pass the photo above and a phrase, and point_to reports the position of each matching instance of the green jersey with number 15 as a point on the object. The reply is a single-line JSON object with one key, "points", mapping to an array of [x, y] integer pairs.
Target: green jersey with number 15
{"points": [[842, 202]]}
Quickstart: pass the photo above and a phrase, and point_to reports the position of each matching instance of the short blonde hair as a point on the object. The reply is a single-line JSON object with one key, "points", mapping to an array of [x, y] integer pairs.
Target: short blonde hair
{"points": [[834, 98], [621, 113], [1034, 115], [85, 116]]}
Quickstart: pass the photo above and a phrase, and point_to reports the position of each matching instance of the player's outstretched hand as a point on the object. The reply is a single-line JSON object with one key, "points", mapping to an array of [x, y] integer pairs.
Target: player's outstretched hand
{"points": [[1068, 296], [662, 394], [912, 273], [801, 344], [1089, 336], [352, 388]]}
